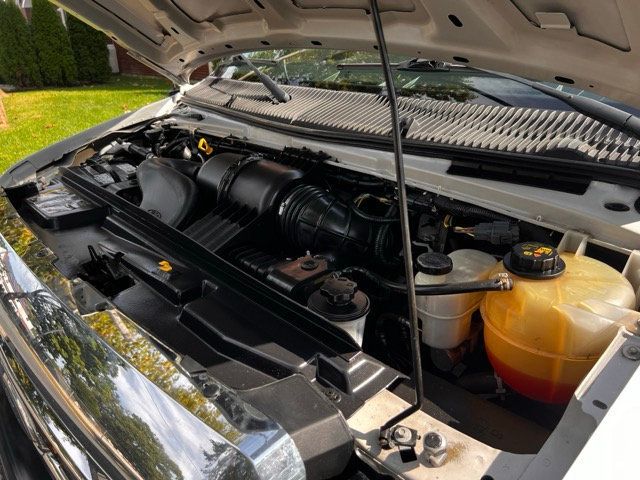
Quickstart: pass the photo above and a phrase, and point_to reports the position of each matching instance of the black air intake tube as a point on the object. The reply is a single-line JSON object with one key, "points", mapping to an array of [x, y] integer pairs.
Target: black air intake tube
{"points": [[314, 219]]}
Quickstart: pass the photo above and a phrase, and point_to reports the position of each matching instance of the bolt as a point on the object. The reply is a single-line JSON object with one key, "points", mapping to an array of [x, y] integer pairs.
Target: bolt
{"points": [[41, 253], [402, 434], [210, 390], [332, 395], [632, 352], [309, 265]]}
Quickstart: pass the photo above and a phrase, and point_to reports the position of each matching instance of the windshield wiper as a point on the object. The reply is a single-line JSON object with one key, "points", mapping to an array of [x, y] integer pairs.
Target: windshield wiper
{"points": [[278, 94], [411, 65], [613, 117], [420, 65]]}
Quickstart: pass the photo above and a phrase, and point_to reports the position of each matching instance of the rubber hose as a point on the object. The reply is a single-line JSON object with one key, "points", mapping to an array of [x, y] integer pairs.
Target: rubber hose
{"points": [[372, 218], [381, 241], [500, 283]]}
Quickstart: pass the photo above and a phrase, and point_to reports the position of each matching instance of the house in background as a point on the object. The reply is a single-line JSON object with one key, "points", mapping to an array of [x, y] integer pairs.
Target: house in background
{"points": [[25, 8], [119, 60]]}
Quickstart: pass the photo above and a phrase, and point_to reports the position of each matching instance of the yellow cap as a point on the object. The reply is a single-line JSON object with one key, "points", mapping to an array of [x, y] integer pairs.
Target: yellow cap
{"points": [[203, 146], [164, 266]]}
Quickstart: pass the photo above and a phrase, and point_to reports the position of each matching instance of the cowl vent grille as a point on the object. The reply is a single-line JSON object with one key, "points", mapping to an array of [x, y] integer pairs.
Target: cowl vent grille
{"points": [[505, 129]]}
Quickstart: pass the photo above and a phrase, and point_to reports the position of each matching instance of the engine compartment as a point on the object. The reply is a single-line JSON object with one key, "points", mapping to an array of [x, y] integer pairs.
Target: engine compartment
{"points": [[261, 265]]}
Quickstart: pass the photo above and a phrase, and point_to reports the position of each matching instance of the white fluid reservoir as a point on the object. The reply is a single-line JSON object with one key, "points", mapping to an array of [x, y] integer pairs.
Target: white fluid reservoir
{"points": [[340, 302], [446, 319]]}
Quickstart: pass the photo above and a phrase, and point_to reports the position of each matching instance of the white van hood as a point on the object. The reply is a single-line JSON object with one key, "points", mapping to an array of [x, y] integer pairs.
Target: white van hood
{"points": [[592, 44]]}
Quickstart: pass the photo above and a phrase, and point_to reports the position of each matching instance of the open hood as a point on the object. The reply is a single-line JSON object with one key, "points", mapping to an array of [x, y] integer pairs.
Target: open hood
{"points": [[591, 44]]}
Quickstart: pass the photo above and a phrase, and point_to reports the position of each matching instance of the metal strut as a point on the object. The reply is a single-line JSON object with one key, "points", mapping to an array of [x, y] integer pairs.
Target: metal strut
{"points": [[404, 226]]}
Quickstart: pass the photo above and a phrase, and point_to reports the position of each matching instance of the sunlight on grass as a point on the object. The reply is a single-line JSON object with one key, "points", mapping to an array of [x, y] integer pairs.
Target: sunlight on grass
{"points": [[38, 118]]}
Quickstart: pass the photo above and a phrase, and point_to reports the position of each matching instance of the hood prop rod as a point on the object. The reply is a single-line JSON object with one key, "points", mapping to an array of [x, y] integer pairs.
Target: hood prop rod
{"points": [[385, 430]]}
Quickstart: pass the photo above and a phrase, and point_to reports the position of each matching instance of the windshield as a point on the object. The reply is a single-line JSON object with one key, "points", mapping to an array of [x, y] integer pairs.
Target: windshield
{"points": [[416, 78]]}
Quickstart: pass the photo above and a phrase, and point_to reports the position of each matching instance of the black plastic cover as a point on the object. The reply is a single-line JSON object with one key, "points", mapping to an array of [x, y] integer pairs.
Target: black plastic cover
{"points": [[166, 193], [174, 281], [313, 422], [59, 208]]}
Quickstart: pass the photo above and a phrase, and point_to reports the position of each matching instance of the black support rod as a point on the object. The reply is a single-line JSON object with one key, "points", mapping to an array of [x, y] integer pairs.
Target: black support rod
{"points": [[404, 222]]}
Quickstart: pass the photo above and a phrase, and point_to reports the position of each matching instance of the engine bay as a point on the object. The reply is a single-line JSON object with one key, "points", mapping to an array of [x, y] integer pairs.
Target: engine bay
{"points": [[260, 265]]}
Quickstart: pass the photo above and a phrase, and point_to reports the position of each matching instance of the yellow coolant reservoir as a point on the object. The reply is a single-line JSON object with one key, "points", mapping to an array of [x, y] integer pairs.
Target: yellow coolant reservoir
{"points": [[543, 336]]}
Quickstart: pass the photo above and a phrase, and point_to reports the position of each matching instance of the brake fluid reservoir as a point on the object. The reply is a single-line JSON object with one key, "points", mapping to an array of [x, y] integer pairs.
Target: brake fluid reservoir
{"points": [[543, 336], [446, 319]]}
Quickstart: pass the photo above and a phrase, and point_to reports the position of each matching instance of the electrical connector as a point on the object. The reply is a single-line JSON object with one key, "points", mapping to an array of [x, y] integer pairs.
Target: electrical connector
{"points": [[497, 233]]}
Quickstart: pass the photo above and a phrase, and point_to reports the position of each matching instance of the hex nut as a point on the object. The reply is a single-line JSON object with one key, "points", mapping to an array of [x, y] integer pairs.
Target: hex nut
{"points": [[632, 352], [435, 448]]}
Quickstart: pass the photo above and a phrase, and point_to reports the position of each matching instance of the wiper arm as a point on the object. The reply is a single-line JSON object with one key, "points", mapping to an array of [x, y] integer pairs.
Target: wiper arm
{"points": [[412, 65], [278, 94], [607, 114]]}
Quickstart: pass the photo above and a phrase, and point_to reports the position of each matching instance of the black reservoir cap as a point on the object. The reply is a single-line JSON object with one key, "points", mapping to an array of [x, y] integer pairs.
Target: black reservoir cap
{"points": [[434, 263], [534, 260], [339, 300]]}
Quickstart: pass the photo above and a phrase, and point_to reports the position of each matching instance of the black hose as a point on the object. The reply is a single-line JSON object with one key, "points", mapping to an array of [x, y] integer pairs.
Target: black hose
{"points": [[373, 218], [465, 209], [382, 240], [401, 327], [497, 284], [172, 144]]}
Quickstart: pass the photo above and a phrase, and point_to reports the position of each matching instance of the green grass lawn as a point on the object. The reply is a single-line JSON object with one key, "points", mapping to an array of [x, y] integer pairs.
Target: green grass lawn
{"points": [[38, 118]]}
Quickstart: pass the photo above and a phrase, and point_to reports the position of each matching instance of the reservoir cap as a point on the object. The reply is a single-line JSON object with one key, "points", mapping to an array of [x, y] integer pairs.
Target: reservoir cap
{"points": [[434, 263], [339, 300], [534, 260]]}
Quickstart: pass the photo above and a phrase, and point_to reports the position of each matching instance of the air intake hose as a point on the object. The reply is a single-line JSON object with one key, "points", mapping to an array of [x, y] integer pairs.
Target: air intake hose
{"points": [[311, 218]]}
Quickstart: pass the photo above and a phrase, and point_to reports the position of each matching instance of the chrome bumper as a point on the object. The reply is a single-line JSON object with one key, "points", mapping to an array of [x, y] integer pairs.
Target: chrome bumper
{"points": [[98, 397]]}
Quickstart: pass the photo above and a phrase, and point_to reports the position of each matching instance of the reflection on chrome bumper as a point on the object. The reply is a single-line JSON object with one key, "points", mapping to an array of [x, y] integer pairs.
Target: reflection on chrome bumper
{"points": [[102, 398]]}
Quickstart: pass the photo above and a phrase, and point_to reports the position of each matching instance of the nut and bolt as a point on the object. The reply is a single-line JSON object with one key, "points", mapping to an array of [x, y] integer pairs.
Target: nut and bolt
{"points": [[402, 434], [435, 448], [632, 352], [332, 395]]}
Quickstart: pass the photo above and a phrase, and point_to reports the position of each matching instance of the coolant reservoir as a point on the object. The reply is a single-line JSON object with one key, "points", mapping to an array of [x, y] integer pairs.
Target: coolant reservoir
{"points": [[446, 319], [543, 336]]}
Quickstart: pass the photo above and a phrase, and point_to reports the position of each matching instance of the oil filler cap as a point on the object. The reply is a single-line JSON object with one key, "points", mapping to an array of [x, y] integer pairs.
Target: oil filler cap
{"points": [[534, 260]]}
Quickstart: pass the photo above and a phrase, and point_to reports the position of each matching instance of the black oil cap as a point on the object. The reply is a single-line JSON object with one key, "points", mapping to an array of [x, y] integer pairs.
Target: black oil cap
{"points": [[534, 260], [339, 300], [433, 263]]}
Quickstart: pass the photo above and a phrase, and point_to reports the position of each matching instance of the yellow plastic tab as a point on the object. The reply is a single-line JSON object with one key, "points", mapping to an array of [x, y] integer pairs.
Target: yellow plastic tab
{"points": [[165, 266], [203, 146]]}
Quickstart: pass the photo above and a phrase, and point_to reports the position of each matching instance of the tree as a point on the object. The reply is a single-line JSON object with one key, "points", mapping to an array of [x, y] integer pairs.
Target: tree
{"points": [[52, 45], [18, 63], [89, 50]]}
